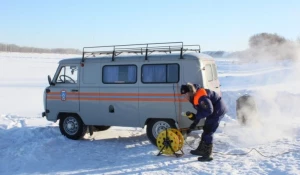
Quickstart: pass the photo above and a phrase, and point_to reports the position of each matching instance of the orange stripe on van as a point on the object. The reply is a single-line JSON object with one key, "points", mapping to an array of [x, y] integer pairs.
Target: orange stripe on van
{"points": [[93, 96], [121, 99], [116, 94], [89, 93], [58, 93], [59, 98], [134, 99], [137, 94], [53, 98], [161, 100], [158, 94]]}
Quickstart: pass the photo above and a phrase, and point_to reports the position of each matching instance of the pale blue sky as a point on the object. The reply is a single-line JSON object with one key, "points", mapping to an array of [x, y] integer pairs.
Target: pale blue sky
{"points": [[215, 25]]}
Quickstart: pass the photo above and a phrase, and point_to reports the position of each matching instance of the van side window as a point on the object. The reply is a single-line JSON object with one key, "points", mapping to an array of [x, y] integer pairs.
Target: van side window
{"points": [[67, 75], [208, 72], [160, 73], [215, 71], [125, 74]]}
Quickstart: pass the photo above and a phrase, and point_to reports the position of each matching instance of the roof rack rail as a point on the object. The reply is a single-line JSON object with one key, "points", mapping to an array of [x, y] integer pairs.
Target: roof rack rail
{"points": [[143, 49]]}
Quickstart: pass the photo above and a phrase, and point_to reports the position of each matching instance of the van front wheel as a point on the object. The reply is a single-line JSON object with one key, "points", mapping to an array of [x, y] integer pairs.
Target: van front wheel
{"points": [[154, 127], [72, 127]]}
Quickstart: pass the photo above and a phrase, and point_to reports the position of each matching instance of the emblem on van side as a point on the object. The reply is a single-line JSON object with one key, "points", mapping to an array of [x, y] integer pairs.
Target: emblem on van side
{"points": [[63, 95]]}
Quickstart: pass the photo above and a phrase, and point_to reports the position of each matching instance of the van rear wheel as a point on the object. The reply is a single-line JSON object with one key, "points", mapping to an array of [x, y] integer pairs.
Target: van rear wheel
{"points": [[72, 127], [155, 126]]}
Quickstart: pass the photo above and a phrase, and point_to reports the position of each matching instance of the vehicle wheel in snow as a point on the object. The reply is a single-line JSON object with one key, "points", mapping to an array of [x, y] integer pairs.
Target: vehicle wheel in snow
{"points": [[72, 127], [246, 110], [101, 128], [155, 126]]}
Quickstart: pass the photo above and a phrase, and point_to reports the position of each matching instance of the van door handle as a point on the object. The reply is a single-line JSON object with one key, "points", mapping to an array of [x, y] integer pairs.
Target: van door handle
{"points": [[217, 87], [74, 90]]}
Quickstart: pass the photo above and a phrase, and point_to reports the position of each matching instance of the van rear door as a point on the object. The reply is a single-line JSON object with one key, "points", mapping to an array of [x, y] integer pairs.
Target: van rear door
{"points": [[216, 81], [211, 77]]}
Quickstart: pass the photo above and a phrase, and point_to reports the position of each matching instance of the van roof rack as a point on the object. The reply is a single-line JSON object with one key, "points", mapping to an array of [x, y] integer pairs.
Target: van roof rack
{"points": [[143, 49]]}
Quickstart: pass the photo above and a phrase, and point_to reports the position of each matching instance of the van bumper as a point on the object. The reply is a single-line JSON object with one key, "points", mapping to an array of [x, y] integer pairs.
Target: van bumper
{"points": [[44, 114]]}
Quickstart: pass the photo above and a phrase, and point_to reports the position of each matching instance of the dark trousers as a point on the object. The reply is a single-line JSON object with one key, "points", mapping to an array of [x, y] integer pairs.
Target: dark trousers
{"points": [[210, 126]]}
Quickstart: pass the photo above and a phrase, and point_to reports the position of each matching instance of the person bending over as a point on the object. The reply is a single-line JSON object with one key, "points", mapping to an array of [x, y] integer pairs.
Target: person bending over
{"points": [[209, 105]]}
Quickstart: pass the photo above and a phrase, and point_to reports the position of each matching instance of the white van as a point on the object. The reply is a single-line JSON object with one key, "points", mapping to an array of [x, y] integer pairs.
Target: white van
{"points": [[127, 85]]}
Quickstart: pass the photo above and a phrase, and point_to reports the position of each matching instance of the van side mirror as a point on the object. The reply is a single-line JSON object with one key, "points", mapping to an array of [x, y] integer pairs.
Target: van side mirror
{"points": [[50, 81]]}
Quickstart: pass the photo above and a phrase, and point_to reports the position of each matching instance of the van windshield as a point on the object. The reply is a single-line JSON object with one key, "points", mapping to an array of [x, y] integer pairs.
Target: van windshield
{"points": [[67, 75]]}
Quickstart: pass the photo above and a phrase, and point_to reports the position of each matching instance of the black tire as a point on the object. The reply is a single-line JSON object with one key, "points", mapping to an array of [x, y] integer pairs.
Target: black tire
{"points": [[246, 109], [101, 128], [155, 126], [72, 126]]}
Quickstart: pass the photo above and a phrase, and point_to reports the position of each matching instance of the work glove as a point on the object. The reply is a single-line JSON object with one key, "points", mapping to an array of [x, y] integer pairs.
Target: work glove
{"points": [[190, 115]]}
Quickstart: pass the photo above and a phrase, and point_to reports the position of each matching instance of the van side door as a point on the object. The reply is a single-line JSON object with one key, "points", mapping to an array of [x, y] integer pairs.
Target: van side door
{"points": [[64, 95], [118, 102], [158, 91]]}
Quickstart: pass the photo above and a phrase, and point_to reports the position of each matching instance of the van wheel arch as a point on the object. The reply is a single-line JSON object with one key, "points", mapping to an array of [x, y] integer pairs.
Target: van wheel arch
{"points": [[156, 125], [100, 128], [62, 114], [72, 126]]}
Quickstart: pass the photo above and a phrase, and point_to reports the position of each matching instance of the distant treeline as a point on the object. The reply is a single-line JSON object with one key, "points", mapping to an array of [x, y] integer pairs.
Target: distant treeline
{"points": [[16, 48], [216, 54]]}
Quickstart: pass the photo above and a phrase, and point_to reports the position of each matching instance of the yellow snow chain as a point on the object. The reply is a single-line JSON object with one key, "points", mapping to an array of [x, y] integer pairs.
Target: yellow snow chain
{"points": [[170, 141]]}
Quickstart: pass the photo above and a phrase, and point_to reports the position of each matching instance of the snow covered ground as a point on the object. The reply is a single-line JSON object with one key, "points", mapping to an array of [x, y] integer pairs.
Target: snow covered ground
{"points": [[31, 145]]}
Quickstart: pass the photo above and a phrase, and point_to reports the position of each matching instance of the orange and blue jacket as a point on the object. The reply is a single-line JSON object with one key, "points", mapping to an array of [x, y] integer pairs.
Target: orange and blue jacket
{"points": [[208, 104]]}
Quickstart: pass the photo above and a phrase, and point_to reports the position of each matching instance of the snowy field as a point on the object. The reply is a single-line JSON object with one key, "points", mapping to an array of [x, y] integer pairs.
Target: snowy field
{"points": [[31, 145]]}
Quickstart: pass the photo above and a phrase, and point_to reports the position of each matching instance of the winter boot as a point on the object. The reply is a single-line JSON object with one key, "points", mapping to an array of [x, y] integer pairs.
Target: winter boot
{"points": [[200, 150], [207, 156]]}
